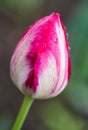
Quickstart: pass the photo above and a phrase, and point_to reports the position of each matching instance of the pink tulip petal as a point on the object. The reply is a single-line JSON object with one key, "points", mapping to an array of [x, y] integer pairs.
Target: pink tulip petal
{"points": [[40, 65]]}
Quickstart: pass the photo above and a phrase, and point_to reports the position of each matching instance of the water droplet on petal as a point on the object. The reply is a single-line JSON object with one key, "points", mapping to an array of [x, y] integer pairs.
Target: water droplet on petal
{"points": [[39, 37], [54, 38], [46, 27]]}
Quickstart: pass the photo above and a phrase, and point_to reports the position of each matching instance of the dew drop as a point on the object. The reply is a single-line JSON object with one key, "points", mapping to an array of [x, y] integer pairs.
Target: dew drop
{"points": [[39, 37], [54, 38], [46, 27]]}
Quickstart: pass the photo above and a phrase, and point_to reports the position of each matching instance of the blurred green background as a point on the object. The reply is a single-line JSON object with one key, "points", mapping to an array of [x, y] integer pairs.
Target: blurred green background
{"points": [[69, 110]]}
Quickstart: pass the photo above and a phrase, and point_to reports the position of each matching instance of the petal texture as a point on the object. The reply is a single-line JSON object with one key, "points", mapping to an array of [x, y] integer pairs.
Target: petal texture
{"points": [[40, 65]]}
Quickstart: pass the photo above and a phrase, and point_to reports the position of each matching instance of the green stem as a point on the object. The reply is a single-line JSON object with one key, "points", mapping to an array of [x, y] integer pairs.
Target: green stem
{"points": [[22, 113]]}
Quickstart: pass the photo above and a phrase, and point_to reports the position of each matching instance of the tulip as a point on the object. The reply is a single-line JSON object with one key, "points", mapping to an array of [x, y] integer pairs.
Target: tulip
{"points": [[40, 65]]}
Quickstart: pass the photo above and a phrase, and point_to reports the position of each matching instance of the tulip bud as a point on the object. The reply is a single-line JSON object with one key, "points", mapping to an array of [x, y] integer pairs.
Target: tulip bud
{"points": [[40, 66]]}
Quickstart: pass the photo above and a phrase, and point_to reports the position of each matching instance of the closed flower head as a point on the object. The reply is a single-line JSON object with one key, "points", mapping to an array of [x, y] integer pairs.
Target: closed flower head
{"points": [[40, 66]]}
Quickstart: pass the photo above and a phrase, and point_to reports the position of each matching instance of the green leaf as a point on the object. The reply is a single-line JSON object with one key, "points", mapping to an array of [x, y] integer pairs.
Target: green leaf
{"points": [[77, 96], [77, 27], [57, 117], [77, 92]]}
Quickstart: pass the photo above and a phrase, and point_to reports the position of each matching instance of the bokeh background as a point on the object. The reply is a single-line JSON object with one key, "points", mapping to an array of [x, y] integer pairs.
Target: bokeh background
{"points": [[69, 110]]}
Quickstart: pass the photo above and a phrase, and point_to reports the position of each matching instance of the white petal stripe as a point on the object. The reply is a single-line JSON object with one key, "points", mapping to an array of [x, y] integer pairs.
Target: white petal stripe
{"points": [[62, 49]]}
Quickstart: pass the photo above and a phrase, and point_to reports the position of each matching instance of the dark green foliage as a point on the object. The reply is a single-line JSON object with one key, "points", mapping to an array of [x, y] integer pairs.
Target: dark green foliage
{"points": [[77, 92], [58, 117]]}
